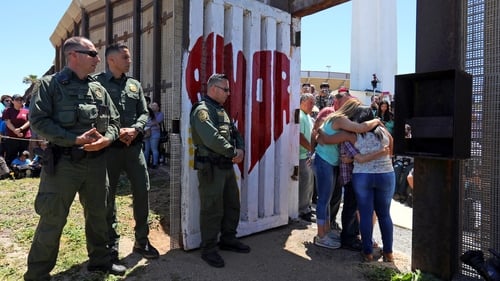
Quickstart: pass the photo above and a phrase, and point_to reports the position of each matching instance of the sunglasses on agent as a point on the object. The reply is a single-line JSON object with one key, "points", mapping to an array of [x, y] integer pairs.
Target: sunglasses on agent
{"points": [[226, 90], [87, 52]]}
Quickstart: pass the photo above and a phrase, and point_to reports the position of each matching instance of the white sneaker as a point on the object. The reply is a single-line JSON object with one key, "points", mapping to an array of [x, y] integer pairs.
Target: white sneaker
{"points": [[326, 242]]}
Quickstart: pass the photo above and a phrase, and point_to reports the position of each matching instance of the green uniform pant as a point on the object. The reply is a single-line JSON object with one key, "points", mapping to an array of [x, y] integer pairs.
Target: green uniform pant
{"points": [[219, 207], [56, 193], [131, 161]]}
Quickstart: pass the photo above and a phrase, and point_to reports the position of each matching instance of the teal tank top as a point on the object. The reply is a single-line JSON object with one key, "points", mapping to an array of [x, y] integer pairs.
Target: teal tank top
{"points": [[329, 152]]}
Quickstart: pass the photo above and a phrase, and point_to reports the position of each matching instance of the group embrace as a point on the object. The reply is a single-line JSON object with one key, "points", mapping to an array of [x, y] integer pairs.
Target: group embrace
{"points": [[347, 148]]}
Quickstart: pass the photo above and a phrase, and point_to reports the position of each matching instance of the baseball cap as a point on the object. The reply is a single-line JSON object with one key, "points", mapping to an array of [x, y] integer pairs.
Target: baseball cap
{"points": [[17, 96], [343, 90]]}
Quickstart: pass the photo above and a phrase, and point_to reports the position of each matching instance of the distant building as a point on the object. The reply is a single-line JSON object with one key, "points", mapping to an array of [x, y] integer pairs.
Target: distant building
{"points": [[340, 79], [334, 79]]}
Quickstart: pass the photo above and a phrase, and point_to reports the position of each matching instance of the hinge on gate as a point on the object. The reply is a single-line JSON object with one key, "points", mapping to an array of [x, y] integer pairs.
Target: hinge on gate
{"points": [[295, 175], [295, 39], [176, 126], [296, 116]]}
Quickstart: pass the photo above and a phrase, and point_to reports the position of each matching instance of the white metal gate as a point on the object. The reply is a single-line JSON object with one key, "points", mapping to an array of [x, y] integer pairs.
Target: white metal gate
{"points": [[250, 42]]}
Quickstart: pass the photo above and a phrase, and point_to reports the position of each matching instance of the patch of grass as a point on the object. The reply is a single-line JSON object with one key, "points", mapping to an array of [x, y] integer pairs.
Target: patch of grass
{"points": [[18, 221], [7, 273], [376, 272]]}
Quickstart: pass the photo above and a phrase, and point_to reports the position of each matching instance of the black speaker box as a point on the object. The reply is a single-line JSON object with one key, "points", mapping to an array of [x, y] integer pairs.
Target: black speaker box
{"points": [[437, 106]]}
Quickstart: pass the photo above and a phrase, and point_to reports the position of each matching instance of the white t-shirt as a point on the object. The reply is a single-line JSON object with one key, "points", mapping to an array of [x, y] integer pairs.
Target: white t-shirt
{"points": [[367, 143]]}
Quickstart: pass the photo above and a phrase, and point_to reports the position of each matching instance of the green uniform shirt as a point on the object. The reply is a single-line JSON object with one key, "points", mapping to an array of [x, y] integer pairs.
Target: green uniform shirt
{"points": [[212, 130], [128, 97], [65, 106]]}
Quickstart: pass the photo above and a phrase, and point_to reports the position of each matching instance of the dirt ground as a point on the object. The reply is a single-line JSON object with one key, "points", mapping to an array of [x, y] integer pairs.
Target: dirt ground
{"points": [[284, 253]]}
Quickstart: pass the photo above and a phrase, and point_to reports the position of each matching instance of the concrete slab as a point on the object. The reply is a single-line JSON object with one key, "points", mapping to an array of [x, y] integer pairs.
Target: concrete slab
{"points": [[401, 215]]}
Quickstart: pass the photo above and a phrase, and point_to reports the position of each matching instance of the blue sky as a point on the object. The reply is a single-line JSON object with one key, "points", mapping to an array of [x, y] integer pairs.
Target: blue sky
{"points": [[326, 38], [26, 27], [26, 48]]}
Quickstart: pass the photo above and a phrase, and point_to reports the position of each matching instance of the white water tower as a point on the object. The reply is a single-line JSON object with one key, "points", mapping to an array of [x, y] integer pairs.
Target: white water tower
{"points": [[373, 44]]}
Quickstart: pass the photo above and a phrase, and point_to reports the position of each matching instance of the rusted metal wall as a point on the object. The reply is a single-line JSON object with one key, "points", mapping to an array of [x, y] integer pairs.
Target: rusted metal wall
{"points": [[439, 45], [97, 33], [146, 52], [123, 26]]}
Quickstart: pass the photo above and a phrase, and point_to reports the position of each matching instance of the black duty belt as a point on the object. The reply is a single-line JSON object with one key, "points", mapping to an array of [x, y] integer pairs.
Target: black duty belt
{"points": [[220, 161], [77, 152], [120, 144]]}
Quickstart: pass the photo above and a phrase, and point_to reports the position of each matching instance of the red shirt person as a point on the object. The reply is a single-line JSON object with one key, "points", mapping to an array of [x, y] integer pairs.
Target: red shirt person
{"points": [[18, 128]]}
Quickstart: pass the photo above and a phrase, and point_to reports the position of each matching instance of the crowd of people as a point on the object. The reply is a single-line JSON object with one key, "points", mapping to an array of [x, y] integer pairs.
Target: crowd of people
{"points": [[346, 152], [345, 149], [15, 137]]}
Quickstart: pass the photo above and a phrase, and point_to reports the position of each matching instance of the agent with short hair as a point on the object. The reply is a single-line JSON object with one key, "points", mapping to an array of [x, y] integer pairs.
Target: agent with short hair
{"points": [[218, 146], [75, 114], [125, 154]]}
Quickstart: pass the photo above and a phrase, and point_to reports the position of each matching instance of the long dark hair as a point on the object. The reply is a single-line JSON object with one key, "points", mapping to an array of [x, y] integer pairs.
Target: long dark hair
{"points": [[151, 113], [387, 115], [365, 113]]}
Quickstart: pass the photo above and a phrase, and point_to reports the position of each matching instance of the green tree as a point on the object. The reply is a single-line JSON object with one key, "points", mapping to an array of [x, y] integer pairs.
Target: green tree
{"points": [[30, 79]]}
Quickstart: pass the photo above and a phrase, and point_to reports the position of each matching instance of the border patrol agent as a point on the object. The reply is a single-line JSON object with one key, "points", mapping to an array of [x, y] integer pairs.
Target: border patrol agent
{"points": [[218, 146], [76, 115], [125, 154]]}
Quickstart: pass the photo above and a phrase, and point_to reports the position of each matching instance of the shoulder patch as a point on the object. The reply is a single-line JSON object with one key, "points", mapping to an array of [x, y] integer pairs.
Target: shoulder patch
{"points": [[98, 93], [202, 115], [132, 88]]}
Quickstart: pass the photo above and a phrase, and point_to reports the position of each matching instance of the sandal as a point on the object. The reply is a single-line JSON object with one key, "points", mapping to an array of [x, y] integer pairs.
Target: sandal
{"points": [[388, 257], [367, 257]]}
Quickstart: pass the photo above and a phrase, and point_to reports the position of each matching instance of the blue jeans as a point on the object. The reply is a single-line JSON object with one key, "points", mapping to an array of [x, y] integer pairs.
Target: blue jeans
{"points": [[326, 176], [151, 146], [374, 192]]}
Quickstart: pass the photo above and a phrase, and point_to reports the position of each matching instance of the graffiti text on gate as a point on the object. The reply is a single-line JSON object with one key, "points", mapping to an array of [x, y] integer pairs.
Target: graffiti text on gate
{"points": [[269, 80]]}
